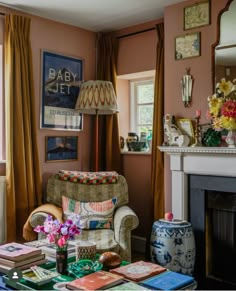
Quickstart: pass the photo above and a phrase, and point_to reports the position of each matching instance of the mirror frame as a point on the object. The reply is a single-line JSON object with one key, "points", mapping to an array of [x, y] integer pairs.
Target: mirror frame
{"points": [[217, 41]]}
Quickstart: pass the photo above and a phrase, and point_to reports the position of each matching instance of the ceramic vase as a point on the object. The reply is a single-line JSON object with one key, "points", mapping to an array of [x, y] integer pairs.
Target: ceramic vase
{"points": [[61, 261], [230, 139], [173, 245]]}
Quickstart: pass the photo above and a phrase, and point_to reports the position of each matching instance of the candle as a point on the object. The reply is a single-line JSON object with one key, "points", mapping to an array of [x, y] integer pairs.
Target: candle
{"points": [[198, 113]]}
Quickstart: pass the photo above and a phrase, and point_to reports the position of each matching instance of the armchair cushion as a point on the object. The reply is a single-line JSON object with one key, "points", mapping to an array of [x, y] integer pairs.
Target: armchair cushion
{"points": [[93, 215]]}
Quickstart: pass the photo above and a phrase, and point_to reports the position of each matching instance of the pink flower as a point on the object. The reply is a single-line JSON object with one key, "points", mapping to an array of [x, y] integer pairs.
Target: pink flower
{"points": [[60, 233], [62, 242], [229, 108]]}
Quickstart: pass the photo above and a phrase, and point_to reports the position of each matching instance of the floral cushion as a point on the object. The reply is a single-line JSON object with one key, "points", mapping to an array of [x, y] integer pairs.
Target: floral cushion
{"points": [[93, 215], [91, 178]]}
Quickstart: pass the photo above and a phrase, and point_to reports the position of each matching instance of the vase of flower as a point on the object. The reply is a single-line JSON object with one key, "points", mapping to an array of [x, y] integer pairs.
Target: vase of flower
{"points": [[222, 109], [230, 139], [59, 233], [61, 261]]}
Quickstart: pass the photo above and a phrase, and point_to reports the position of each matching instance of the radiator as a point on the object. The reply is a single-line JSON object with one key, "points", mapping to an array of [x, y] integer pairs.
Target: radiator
{"points": [[2, 209]]}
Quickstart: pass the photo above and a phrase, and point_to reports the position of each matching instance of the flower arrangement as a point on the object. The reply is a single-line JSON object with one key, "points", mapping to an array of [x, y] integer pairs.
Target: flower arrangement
{"points": [[60, 233], [222, 106]]}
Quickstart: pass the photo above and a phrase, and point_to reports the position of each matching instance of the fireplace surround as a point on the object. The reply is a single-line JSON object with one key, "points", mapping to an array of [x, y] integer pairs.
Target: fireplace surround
{"points": [[204, 192]]}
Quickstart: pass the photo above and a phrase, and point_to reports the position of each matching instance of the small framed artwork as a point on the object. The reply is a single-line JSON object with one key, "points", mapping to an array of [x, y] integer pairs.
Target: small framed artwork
{"points": [[186, 127], [61, 148], [61, 79], [197, 15], [187, 46]]}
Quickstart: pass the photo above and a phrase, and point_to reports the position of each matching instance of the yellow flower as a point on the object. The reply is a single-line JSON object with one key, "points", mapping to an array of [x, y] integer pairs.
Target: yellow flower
{"points": [[224, 87], [215, 104], [217, 123], [228, 122]]}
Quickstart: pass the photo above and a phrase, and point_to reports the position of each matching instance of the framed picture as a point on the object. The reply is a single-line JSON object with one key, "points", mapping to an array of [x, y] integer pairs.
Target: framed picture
{"points": [[197, 15], [61, 80], [61, 148], [187, 46], [186, 127]]}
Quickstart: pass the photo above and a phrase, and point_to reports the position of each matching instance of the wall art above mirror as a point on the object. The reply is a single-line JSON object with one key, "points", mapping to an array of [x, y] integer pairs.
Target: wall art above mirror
{"points": [[224, 50]]}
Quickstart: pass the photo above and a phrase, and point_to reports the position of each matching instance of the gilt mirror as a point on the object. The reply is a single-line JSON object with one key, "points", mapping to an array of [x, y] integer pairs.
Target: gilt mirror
{"points": [[224, 50]]}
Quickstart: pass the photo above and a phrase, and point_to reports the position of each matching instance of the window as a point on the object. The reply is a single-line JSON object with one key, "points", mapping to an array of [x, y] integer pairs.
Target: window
{"points": [[142, 100]]}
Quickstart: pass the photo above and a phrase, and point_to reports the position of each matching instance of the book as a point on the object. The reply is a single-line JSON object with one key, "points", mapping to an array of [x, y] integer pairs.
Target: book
{"points": [[168, 281], [17, 252], [139, 270], [99, 280], [50, 249], [4, 269], [38, 275], [37, 243], [21, 263], [128, 286]]}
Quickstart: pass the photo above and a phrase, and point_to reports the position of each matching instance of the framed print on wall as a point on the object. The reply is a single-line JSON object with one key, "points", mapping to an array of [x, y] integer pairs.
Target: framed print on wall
{"points": [[61, 80], [61, 148], [197, 15], [187, 46]]}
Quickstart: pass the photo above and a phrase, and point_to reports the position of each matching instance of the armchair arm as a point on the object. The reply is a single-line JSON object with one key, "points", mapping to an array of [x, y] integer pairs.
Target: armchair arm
{"points": [[125, 220], [37, 217]]}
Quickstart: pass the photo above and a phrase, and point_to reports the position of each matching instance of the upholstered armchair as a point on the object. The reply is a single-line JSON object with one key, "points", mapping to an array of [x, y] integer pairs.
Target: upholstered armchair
{"points": [[117, 238]]}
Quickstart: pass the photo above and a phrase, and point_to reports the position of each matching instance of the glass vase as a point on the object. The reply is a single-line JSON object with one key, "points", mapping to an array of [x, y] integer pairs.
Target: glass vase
{"points": [[230, 139], [61, 261]]}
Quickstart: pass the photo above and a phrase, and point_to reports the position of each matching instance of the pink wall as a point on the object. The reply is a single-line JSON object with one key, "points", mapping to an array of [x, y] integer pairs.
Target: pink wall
{"points": [[201, 70], [72, 41], [136, 54]]}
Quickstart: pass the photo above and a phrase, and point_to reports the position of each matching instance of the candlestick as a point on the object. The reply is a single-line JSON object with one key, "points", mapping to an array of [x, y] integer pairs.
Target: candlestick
{"points": [[197, 132]]}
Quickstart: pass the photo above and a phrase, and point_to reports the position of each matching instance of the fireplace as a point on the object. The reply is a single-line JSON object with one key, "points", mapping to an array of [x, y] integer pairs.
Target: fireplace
{"points": [[204, 192]]}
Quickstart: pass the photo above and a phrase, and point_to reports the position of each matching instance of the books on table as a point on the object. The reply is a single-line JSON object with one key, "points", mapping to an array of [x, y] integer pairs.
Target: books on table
{"points": [[17, 264], [139, 270], [16, 255], [17, 252], [96, 281], [168, 281]]}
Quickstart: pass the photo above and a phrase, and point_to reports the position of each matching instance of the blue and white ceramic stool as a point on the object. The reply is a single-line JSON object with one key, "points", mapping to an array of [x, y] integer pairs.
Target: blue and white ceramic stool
{"points": [[173, 245]]}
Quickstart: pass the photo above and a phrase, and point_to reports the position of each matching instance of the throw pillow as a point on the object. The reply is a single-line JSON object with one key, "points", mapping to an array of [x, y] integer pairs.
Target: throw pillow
{"points": [[93, 215]]}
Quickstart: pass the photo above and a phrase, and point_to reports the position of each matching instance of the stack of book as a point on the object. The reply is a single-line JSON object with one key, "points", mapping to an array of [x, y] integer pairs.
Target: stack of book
{"points": [[16, 255], [139, 275], [50, 249]]}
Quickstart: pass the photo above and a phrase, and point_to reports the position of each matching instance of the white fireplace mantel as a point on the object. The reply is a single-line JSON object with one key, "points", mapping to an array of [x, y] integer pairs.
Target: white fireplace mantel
{"points": [[215, 161]]}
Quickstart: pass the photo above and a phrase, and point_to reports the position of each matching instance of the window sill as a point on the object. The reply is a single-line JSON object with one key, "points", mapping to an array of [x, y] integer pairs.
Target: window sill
{"points": [[136, 153], [2, 162]]}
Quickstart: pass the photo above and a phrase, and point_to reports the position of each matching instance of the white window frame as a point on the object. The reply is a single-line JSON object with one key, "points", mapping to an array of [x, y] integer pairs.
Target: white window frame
{"points": [[134, 101]]}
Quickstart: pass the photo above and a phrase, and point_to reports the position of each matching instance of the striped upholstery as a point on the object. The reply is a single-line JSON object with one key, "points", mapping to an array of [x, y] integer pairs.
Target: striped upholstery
{"points": [[125, 220]]}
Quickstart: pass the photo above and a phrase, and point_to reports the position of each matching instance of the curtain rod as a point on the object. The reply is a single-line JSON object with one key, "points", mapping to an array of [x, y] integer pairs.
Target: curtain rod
{"points": [[133, 33]]}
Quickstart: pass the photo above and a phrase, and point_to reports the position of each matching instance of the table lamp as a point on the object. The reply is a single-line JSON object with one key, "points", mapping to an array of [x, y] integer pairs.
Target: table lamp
{"points": [[96, 97]]}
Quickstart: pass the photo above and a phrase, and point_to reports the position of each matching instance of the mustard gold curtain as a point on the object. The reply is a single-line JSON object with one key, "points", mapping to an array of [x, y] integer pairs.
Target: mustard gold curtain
{"points": [[157, 172], [24, 186], [109, 148]]}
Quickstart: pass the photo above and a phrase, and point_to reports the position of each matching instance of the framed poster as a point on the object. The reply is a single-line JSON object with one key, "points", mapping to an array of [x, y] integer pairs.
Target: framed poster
{"points": [[187, 46], [61, 80], [61, 148], [197, 15]]}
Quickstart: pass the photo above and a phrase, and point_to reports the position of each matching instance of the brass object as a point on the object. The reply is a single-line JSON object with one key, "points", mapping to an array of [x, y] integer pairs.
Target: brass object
{"points": [[197, 133]]}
